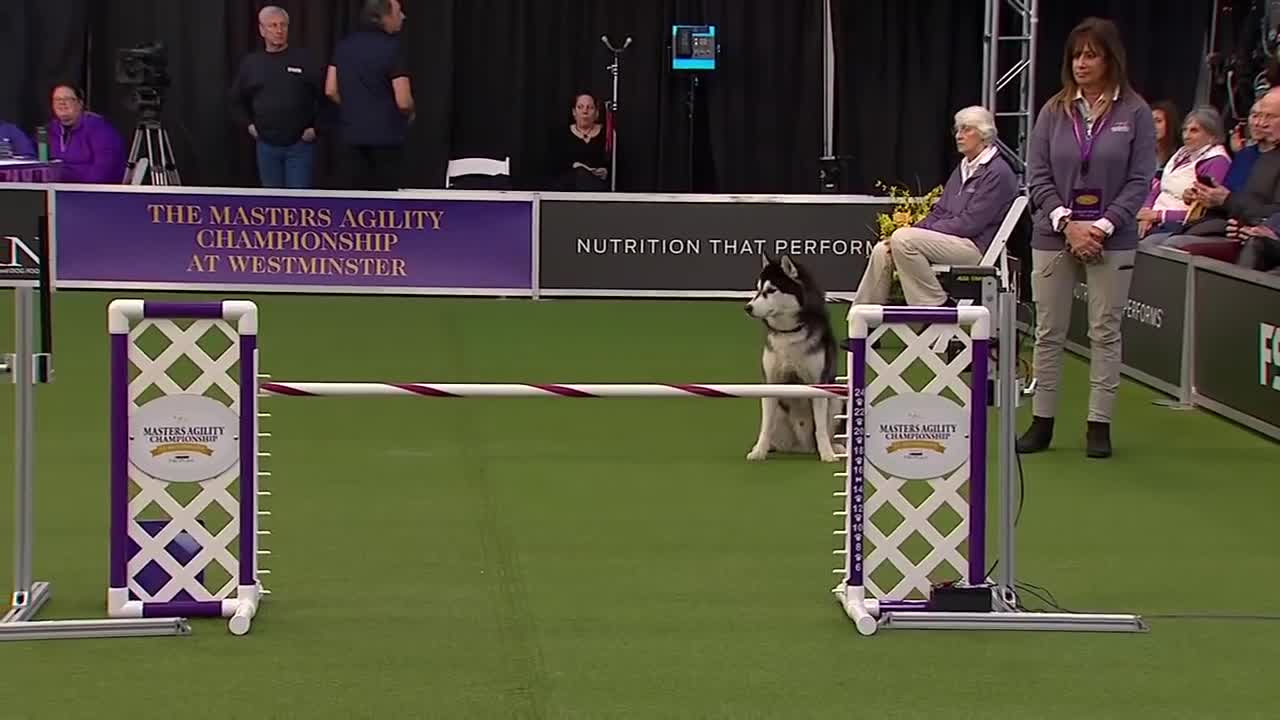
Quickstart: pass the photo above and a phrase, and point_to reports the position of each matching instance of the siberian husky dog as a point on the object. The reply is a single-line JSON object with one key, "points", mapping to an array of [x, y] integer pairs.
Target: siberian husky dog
{"points": [[799, 348]]}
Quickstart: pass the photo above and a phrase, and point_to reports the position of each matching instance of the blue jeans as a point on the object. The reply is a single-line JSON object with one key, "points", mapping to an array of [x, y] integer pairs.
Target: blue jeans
{"points": [[285, 166]]}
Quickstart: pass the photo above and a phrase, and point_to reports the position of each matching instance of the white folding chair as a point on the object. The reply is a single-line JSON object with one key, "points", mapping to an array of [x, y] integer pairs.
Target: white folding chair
{"points": [[476, 166], [995, 256]]}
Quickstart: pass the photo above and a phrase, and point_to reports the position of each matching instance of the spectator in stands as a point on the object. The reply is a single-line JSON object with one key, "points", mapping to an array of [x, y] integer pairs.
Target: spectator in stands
{"points": [[1252, 204], [1167, 121], [19, 144], [581, 161], [277, 97], [1245, 150], [90, 149], [1090, 165], [369, 82], [959, 227], [1202, 155]]}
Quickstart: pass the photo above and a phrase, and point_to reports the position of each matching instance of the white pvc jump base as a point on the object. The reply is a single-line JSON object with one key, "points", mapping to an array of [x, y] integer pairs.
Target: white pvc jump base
{"points": [[203, 434]]}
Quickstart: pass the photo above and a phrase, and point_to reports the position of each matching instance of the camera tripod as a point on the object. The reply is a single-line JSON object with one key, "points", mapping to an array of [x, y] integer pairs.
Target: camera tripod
{"points": [[151, 144]]}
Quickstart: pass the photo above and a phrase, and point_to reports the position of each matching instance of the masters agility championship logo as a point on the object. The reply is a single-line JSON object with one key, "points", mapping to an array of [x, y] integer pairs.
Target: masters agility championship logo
{"points": [[184, 438], [918, 436]]}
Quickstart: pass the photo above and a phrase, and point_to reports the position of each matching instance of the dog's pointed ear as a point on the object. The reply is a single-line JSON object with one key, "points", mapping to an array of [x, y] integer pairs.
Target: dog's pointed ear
{"points": [[764, 260], [789, 268]]}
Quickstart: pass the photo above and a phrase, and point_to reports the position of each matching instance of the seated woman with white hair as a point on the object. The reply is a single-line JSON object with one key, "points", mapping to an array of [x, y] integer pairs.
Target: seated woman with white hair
{"points": [[958, 229], [1202, 155]]}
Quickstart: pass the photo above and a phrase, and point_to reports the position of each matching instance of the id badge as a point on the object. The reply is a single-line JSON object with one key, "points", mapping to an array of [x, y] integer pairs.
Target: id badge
{"points": [[1086, 204]]}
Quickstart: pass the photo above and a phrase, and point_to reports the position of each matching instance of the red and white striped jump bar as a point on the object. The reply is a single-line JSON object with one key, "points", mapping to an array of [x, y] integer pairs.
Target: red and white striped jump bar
{"points": [[513, 390]]}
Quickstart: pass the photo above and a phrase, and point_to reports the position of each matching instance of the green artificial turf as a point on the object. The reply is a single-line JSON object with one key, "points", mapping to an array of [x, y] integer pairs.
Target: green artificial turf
{"points": [[621, 558]]}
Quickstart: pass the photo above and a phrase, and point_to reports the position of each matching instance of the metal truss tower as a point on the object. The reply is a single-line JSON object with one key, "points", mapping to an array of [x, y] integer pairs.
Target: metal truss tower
{"points": [[1009, 70]]}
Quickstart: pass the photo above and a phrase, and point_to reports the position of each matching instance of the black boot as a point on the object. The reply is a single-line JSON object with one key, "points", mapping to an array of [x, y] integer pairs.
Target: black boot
{"points": [[1098, 440], [1037, 437]]}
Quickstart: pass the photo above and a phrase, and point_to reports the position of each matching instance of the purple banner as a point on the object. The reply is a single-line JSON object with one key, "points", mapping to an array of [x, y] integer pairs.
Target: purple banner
{"points": [[140, 239]]}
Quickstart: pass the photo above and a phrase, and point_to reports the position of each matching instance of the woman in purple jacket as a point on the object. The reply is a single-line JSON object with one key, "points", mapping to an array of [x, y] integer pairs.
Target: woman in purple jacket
{"points": [[88, 147], [959, 227], [1091, 160]]}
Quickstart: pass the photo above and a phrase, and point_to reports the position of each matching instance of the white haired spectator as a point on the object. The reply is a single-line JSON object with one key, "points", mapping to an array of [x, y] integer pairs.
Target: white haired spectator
{"points": [[980, 119], [957, 230], [1202, 155], [277, 99]]}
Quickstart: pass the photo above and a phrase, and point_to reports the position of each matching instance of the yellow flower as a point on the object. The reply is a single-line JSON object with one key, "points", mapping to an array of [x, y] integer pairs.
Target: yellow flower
{"points": [[907, 208]]}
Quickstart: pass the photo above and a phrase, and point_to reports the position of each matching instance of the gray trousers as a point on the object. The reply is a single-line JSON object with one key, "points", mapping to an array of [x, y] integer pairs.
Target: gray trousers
{"points": [[1054, 275], [1182, 241], [911, 251], [1260, 253]]}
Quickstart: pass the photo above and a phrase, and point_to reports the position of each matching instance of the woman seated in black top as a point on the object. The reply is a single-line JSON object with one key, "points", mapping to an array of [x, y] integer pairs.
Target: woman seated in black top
{"points": [[582, 165]]}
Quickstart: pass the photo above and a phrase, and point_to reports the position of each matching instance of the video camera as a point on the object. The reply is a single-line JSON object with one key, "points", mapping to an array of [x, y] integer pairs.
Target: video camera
{"points": [[144, 69]]}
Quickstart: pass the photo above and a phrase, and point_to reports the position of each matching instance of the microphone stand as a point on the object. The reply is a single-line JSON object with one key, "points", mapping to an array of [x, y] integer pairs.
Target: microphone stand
{"points": [[612, 106]]}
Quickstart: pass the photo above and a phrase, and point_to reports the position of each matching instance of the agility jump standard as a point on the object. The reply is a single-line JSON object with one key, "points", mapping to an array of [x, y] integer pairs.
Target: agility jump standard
{"points": [[186, 480]]}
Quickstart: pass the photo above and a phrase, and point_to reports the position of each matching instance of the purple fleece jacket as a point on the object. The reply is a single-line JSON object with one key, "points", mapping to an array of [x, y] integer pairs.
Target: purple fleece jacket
{"points": [[91, 152], [975, 209], [1124, 156], [19, 143]]}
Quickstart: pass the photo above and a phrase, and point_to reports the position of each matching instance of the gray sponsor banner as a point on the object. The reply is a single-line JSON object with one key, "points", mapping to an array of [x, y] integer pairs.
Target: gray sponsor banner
{"points": [[657, 247], [20, 212], [1237, 343], [1154, 318]]}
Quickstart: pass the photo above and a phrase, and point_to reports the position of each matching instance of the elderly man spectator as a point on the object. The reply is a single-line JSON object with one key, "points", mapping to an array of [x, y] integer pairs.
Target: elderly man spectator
{"points": [[277, 98], [1245, 151], [89, 148], [1252, 204], [19, 144], [959, 227], [369, 82]]}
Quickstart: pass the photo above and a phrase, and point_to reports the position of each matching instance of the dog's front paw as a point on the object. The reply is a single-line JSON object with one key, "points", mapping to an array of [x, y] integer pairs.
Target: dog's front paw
{"points": [[827, 456], [759, 452]]}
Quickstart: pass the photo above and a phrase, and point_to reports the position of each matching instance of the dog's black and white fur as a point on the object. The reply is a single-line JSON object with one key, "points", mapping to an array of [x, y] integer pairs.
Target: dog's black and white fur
{"points": [[799, 348]]}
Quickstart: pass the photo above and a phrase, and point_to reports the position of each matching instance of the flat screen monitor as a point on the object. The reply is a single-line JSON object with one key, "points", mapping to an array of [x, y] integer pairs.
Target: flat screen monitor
{"points": [[693, 47]]}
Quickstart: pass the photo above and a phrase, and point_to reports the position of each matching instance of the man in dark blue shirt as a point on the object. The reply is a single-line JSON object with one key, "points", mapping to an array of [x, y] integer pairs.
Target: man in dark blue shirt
{"points": [[277, 98], [369, 81]]}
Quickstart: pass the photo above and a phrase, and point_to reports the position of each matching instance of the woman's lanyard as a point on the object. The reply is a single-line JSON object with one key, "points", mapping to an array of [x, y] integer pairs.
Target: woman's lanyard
{"points": [[1086, 136]]}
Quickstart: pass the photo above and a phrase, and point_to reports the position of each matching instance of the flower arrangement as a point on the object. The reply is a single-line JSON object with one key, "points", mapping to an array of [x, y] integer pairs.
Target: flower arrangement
{"points": [[908, 208]]}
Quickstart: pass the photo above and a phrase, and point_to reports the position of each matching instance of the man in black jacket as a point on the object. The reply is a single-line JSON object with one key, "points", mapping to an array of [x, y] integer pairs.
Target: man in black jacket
{"points": [[368, 80], [277, 98]]}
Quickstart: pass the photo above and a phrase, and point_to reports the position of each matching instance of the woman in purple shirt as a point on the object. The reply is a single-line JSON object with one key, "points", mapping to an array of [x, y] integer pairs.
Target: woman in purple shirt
{"points": [[1092, 157]]}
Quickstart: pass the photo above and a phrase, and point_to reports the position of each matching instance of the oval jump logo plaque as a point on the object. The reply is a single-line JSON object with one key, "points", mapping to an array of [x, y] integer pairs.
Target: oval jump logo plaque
{"points": [[184, 438], [917, 436]]}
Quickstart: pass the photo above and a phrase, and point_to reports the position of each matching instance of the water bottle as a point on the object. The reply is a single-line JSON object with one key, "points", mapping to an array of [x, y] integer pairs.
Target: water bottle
{"points": [[42, 142], [6, 148]]}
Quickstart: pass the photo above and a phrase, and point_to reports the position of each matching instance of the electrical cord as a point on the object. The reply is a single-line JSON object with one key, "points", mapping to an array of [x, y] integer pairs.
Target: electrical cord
{"points": [[1022, 476], [1048, 601]]}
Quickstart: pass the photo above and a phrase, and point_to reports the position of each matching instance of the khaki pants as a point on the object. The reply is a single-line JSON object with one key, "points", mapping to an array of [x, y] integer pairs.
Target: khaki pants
{"points": [[911, 251], [1054, 276]]}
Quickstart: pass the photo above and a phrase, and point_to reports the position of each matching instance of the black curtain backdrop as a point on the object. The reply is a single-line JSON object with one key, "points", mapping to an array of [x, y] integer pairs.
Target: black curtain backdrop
{"points": [[496, 77], [903, 69], [41, 42], [1164, 41]]}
